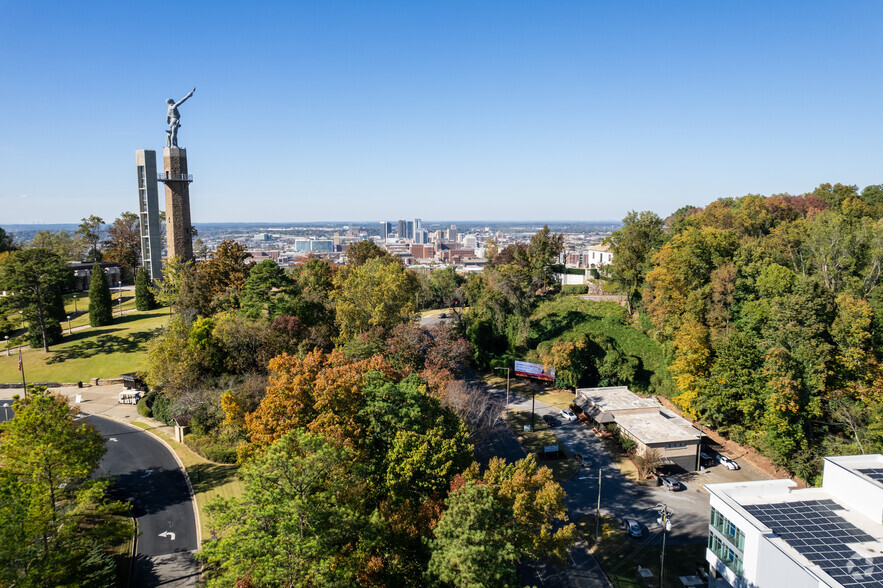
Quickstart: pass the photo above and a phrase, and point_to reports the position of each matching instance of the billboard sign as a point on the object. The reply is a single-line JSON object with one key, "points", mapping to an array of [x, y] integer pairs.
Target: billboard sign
{"points": [[534, 370]]}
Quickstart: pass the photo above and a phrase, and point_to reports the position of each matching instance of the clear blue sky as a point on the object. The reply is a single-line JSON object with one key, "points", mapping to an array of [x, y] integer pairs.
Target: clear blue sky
{"points": [[363, 111]]}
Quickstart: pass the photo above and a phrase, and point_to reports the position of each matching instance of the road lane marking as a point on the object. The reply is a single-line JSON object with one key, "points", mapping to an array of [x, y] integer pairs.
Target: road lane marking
{"points": [[168, 534]]}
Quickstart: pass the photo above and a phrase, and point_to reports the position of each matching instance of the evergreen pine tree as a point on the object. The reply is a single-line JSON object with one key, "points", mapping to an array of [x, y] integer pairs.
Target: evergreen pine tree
{"points": [[144, 299], [100, 312]]}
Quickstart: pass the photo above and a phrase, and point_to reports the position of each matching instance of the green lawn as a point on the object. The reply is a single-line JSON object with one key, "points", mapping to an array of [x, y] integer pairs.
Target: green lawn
{"points": [[536, 441], [80, 316], [102, 352], [620, 556]]}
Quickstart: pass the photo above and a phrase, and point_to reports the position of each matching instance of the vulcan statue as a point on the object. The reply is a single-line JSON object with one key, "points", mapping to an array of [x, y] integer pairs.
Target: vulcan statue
{"points": [[174, 119]]}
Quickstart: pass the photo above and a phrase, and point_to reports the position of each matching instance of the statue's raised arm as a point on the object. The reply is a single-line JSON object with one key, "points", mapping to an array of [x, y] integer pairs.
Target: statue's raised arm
{"points": [[184, 99], [173, 118]]}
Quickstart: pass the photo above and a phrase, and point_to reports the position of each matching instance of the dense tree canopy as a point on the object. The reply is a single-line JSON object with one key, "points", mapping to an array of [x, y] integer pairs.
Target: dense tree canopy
{"points": [[57, 524], [771, 309], [124, 245], [36, 278]]}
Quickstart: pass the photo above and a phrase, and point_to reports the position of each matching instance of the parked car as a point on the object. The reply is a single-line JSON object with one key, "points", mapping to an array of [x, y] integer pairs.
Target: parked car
{"points": [[631, 527], [443, 315], [727, 462], [706, 459], [567, 414], [670, 483], [550, 420]]}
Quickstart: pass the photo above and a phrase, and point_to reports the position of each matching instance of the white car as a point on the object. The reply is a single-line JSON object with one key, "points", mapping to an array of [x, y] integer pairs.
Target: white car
{"points": [[727, 462], [567, 414]]}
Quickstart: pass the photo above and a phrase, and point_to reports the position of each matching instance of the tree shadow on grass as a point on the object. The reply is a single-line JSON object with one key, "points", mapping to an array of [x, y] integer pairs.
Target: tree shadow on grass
{"points": [[90, 346], [208, 476]]}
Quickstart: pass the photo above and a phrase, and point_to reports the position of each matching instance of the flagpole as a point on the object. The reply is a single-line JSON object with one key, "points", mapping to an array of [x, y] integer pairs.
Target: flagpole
{"points": [[21, 368]]}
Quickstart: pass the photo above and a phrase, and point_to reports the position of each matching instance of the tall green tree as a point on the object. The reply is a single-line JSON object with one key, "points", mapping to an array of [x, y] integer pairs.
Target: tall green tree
{"points": [[144, 299], [299, 521], [36, 278], [100, 304], [265, 280], [378, 294], [632, 246], [471, 545], [359, 253], [60, 243], [518, 513], [57, 524], [124, 245], [89, 233]]}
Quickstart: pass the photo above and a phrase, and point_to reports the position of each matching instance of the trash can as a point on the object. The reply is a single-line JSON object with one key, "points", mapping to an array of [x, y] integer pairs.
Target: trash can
{"points": [[79, 384]]}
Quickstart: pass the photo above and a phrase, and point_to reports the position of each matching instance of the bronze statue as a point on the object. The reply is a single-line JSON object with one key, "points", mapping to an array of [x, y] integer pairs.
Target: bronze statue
{"points": [[173, 117]]}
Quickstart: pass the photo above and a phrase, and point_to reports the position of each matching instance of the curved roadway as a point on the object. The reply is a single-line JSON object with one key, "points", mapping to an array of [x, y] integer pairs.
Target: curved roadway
{"points": [[147, 475]]}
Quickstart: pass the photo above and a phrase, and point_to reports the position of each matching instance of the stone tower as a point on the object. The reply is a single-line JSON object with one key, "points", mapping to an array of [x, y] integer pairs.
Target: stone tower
{"points": [[179, 229]]}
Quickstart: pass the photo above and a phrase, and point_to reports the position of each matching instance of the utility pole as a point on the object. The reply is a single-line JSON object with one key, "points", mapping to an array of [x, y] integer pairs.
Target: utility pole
{"points": [[598, 508], [665, 520]]}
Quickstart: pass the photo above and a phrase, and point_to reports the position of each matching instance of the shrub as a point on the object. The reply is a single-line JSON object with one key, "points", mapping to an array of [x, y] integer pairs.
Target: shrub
{"points": [[162, 409], [594, 273], [144, 408], [575, 289]]}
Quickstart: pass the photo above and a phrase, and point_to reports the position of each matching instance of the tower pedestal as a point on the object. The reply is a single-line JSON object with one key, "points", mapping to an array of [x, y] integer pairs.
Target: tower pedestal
{"points": [[179, 230]]}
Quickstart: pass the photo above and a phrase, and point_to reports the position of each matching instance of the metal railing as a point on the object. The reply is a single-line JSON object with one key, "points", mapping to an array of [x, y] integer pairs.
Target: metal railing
{"points": [[174, 177]]}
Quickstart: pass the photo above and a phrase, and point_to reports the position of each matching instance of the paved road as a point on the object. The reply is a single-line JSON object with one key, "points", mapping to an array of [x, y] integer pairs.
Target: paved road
{"points": [[148, 476]]}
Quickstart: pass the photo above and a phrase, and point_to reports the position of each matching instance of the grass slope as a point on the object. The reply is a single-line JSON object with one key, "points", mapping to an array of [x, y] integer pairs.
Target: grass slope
{"points": [[570, 318], [103, 352]]}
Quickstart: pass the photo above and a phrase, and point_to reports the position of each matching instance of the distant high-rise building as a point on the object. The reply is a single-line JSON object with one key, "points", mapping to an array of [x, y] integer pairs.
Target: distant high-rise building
{"points": [[452, 233], [385, 230], [418, 224], [403, 229], [420, 236]]}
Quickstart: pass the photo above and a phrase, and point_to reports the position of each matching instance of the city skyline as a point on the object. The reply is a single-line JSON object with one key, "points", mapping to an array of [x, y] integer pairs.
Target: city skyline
{"points": [[354, 112]]}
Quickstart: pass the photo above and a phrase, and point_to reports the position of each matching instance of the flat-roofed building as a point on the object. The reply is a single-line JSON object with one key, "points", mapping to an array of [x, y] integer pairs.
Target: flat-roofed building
{"points": [[769, 533], [644, 420]]}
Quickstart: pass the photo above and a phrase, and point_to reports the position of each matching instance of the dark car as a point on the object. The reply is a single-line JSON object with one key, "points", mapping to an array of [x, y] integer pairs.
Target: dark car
{"points": [[443, 315], [551, 421]]}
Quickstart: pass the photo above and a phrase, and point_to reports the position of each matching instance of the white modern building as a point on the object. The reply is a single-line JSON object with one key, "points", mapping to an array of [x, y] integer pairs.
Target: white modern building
{"points": [[770, 534]]}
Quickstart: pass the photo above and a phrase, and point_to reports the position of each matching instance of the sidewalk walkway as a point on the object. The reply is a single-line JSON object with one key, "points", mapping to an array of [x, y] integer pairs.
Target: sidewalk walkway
{"points": [[101, 401]]}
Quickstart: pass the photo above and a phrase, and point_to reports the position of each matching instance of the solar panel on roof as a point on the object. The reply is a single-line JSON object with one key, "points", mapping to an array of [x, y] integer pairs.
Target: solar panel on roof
{"points": [[873, 473], [815, 530]]}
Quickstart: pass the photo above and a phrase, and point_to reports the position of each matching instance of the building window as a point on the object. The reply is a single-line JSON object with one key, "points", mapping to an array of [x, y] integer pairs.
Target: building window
{"points": [[726, 554], [726, 541], [675, 445], [728, 530]]}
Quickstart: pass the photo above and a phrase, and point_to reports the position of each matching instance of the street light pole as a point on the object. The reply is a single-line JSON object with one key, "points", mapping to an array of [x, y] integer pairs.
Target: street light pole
{"points": [[5, 411], [75, 303], [7, 344], [69, 325], [507, 384], [665, 520]]}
